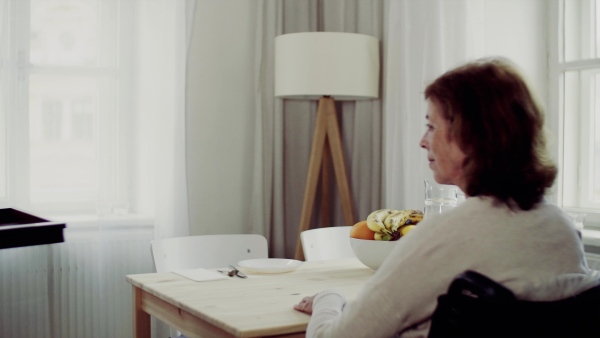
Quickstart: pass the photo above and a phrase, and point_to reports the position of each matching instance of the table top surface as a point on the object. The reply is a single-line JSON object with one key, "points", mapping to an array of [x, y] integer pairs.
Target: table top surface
{"points": [[260, 304]]}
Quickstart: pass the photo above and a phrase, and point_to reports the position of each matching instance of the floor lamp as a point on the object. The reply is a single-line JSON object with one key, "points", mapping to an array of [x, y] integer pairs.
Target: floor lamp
{"points": [[326, 66]]}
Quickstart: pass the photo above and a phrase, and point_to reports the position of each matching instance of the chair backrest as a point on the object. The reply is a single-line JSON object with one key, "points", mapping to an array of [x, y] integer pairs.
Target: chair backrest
{"points": [[206, 251], [327, 243], [476, 306]]}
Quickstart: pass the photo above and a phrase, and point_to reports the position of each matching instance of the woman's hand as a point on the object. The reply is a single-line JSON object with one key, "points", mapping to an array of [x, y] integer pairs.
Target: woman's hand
{"points": [[305, 305]]}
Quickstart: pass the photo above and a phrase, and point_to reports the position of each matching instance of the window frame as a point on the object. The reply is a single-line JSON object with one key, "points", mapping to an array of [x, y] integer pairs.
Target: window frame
{"points": [[558, 68], [113, 142]]}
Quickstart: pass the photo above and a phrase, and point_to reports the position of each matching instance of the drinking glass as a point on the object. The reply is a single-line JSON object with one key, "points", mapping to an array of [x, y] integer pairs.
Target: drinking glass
{"points": [[439, 197]]}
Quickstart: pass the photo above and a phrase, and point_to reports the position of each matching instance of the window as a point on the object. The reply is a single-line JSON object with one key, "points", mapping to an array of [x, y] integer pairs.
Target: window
{"points": [[63, 100], [577, 63], [82, 126]]}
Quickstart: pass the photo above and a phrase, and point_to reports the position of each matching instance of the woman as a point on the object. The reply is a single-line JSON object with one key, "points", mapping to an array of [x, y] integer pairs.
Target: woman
{"points": [[485, 135]]}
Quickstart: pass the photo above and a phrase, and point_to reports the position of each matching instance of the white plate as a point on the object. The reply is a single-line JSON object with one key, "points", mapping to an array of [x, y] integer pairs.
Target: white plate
{"points": [[269, 265]]}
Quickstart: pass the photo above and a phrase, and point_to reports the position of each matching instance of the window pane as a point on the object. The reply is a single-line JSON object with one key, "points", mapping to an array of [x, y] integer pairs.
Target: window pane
{"points": [[581, 152], [581, 34], [597, 24], [62, 135], [596, 137], [64, 32], [570, 160], [83, 119], [3, 136]]}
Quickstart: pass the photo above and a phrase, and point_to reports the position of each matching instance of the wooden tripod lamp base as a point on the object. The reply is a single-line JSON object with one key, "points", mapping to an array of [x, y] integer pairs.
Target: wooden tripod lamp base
{"points": [[326, 148]]}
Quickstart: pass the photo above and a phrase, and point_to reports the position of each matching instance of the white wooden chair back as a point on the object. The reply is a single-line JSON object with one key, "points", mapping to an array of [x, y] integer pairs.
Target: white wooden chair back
{"points": [[206, 251], [326, 243]]}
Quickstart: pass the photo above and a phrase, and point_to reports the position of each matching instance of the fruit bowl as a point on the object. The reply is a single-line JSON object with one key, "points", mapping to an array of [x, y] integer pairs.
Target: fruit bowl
{"points": [[372, 253]]}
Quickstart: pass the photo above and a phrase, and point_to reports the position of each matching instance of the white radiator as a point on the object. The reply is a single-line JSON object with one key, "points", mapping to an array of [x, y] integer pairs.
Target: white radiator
{"points": [[73, 289]]}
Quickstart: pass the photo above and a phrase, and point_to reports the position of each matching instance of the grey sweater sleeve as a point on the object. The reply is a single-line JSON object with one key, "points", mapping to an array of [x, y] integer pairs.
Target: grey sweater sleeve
{"points": [[327, 306]]}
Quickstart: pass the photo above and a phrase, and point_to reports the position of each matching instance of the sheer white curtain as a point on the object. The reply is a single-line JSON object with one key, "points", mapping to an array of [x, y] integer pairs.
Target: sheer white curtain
{"points": [[163, 32], [424, 39], [164, 29], [92, 97]]}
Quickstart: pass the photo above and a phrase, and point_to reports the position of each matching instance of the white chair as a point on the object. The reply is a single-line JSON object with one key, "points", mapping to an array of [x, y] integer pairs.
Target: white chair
{"points": [[326, 243], [206, 251]]}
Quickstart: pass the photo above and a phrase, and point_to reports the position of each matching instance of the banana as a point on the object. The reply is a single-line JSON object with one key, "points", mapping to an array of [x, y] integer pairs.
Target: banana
{"points": [[376, 218], [382, 237], [395, 220], [390, 224], [406, 229], [413, 217]]}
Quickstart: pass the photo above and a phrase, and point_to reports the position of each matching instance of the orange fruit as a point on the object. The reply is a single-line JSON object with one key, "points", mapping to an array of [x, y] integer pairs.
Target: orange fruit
{"points": [[360, 230]]}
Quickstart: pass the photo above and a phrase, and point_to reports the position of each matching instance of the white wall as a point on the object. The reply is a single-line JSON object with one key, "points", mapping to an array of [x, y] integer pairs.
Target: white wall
{"points": [[219, 88]]}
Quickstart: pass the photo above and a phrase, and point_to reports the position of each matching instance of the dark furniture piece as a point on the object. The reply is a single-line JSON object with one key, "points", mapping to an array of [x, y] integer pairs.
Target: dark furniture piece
{"points": [[18, 229], [476, 306]]}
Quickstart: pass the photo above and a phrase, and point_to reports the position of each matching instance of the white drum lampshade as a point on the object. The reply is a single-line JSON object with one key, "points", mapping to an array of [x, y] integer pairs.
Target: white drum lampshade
{"points": [[315, 64]]}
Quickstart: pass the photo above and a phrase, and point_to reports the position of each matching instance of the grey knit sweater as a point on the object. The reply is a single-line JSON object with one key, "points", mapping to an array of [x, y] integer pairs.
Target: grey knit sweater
{"points": [[538, 254]]}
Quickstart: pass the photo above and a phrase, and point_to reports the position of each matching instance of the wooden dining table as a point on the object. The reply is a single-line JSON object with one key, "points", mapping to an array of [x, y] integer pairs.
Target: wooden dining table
{"points": [[258, 306]]}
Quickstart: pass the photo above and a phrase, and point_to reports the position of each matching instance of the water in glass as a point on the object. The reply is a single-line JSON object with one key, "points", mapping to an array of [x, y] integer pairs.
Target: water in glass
{"points": [[439, 197]]}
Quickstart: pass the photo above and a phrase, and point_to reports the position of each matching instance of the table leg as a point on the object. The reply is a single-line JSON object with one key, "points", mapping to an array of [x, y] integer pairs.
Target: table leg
{"points": [[141, 319]]}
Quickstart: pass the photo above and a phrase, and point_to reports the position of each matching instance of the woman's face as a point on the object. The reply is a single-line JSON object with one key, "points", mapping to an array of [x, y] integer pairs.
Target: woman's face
{"points": [[444, 155]]}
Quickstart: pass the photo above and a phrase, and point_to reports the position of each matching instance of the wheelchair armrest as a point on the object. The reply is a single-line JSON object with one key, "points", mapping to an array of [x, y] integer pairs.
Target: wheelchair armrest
{"points": [[476, 285]]}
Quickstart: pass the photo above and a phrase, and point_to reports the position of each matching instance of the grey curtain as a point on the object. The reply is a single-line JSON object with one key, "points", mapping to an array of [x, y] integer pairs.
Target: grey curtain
{"points": [[283, 129]]}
